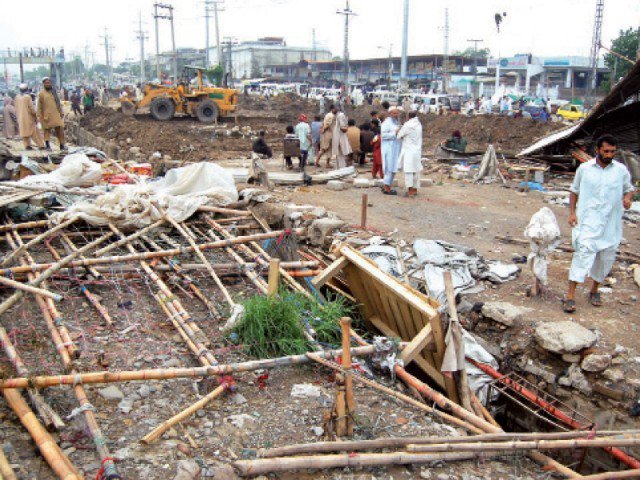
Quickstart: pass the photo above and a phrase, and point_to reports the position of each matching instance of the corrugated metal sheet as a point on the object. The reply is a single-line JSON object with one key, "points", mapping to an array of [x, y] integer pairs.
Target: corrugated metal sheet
{"points": [[546, 141]]}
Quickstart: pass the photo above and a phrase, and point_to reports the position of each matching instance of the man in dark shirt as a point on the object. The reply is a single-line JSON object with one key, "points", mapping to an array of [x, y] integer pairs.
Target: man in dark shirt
{"points": [[366, 137], [260, 146]]}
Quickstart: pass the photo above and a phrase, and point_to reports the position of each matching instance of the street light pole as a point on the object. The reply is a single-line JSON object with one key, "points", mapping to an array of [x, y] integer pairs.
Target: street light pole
{"points": [[475, 58]]}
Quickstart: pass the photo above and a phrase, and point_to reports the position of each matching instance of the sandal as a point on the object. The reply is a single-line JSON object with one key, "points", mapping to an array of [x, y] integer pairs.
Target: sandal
{"points": [[595, 299], [569, 306]]}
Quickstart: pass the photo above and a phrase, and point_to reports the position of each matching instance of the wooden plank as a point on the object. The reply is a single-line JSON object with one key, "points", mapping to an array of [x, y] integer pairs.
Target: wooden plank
{"points": [[405, 292], [331, 271], [430, 370], [416, 345], [389, 317], [438, 334], [355, 285], [406, 322]]}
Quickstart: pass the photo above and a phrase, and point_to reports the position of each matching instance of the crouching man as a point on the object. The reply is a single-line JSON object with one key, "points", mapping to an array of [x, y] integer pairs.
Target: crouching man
{"points": [[600, 191]]}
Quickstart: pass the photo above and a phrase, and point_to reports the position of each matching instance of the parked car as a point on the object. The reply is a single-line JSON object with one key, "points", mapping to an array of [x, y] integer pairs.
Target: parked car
{"points": [[571, 112]]}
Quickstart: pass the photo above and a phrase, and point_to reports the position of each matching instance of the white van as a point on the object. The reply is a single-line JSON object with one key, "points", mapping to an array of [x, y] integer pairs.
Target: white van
{"points": [[431, 103]]}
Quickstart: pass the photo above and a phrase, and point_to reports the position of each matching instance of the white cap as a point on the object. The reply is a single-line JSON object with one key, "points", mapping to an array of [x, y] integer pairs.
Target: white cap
{"points": [[396, 109], [44, 79], [23, 86]]}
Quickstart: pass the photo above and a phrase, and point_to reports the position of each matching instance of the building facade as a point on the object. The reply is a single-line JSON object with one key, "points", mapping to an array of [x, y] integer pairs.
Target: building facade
{"points": [[249, 59]]}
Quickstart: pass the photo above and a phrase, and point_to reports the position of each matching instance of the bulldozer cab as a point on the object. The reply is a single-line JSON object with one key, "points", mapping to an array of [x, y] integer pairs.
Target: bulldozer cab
{"points": [[187, 76]]}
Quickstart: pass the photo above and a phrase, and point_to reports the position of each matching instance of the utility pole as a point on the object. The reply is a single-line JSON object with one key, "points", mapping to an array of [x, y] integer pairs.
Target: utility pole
{"points": [[405, 43], [156, 17], [108, 49], [142, 36], [229, 60], [595, 52], [207, 10], [314, 55], [347, 12], [166, 16], [213, 6], [475, 58], [445, 64]]}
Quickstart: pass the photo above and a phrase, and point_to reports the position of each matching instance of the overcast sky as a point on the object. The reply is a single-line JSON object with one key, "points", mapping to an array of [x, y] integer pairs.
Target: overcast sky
{"points": [[542, 27]]}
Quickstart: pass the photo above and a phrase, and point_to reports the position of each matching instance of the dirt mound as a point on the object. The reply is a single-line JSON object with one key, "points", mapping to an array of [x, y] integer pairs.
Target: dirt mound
{"points": [[508, 135], [181, 138]]}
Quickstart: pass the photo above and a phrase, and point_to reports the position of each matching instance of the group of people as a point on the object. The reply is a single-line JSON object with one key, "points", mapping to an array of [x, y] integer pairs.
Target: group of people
{"points": [[21, 117], [85, 99], [393, 145]]}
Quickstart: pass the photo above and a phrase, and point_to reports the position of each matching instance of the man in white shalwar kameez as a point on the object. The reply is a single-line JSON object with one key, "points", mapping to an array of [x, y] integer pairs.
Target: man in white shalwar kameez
{"points": [[600, 191], [390, 149], [340, 146], [411, 153]]}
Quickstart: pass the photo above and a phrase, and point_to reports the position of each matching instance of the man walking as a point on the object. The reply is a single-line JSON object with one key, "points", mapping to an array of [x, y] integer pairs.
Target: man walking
{"points": [[50, 113], [600, 191], [340, 147], [327, 135], [75, 104], [353, 134], [26, 114], [390, 149], [411, 153]]}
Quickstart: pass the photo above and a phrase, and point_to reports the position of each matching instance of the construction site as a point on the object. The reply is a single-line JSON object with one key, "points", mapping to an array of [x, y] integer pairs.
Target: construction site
{"points": [[176, 305]]}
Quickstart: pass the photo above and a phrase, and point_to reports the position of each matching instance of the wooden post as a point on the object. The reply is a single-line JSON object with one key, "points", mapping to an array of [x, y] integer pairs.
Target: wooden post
{"points": [[341, 407], [6, 472], [363, 218], [526, 180], [274, 277], [345, 324]]}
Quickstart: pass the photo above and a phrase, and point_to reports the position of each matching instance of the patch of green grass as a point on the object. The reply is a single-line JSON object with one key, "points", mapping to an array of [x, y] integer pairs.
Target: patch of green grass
{"points": [[273, 327]]}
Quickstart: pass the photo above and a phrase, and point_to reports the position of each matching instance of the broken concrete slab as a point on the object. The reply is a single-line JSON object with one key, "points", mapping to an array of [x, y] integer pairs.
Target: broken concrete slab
{"points": [[596, 362], [576, 379], [337, 185], [321, 228], [305, 390], [111, 393], [505, 313], [362, 183], [564, 337]]}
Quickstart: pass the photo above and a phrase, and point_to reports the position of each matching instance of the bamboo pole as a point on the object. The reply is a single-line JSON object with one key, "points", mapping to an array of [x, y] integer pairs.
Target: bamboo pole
{"points": [[345, 326], [29, 289], [37, 240], [66, 350], [59, 333], [401, 396], [271, 465], [179, 269], [527, 445], [224, 211], [57, 460], [402, 442], [86, 378], [6, 472], [54, 189], [147, 255], [634, 473], [340, 408], [21, 226], [49, 270], [130, 238], [166, 425], [274, 277], [454, 325], [71, 247]]}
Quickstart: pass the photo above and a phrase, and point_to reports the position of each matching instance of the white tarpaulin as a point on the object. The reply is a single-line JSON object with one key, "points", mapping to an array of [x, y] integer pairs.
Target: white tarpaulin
{"points": [[179, 193], [544, 236], [75, 170]]}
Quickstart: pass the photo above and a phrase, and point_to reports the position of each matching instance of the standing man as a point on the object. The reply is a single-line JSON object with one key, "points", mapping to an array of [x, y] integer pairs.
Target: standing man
{"points": [[26, 114], [600, 190], [303, 131], [75, 104], [327, 135], [316, 127], [390, 149], [88, 101], [322, 105], [340, 147], [10, 120], [50, 113], [411, 153], [366, 137], [353, 134]]}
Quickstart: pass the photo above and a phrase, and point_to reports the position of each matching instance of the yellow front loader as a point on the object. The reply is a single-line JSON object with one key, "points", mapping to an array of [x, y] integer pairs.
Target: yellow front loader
{"points": [[205, 103]]}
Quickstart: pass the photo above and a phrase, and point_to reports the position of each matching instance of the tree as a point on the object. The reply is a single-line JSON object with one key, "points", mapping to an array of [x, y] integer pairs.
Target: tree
{"points": [[471, 53], [626, 44]]}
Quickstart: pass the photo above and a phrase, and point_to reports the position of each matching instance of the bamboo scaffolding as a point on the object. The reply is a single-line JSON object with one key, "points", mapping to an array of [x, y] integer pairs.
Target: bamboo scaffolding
{"points": [[281, 464], [36, 240], [179, 269], [67, 350], [59, 333], [87, 378], [49, 270], [176, 308], [29, 289], [224, 211], [51, 188], [93, 300], [123, 241], [6, 472], [159, 430], [71, 247], [73, 234], [634, 473], [8, 227], [144, 256], [513, 445], [51, 452], [400, 396], [402, 442], [345, 327]]}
